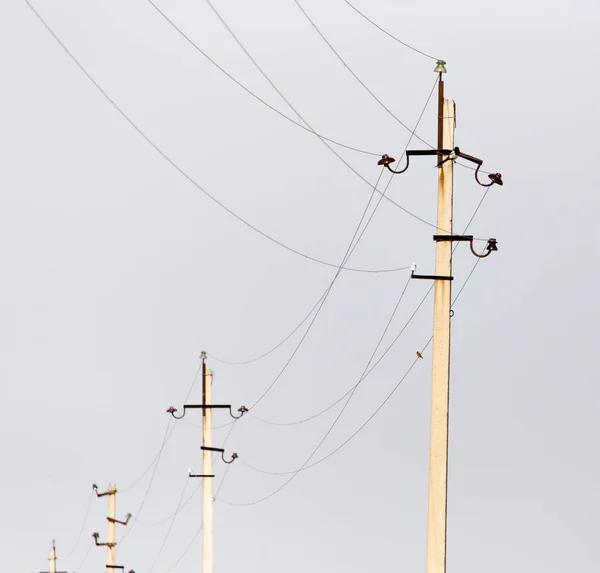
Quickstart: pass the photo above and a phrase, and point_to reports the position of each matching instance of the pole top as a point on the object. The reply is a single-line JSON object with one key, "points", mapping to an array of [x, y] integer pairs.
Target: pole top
{"points": [[203, 355], [441, 67]]}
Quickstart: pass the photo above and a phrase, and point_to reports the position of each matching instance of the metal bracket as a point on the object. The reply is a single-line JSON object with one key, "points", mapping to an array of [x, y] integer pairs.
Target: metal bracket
{"points": [[431, 277], [492, 244], [234, 456], [452, 154], [242, 410], [113, 520], [95, 488], [116, 566], [96, 536]]}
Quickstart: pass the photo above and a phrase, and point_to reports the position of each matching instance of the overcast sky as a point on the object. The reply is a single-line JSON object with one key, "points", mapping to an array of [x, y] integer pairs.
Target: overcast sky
{"points": [[117, 272]]}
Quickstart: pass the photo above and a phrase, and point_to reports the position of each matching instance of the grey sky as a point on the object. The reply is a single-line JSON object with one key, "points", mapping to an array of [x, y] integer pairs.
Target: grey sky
{"points": [[117, 272]]}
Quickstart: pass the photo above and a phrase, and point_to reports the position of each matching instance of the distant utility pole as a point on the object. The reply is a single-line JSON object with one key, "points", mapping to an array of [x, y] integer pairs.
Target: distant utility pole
{"points": [[438, 446], [52, 560], [111, 544], [207, 475], [208, 560]]}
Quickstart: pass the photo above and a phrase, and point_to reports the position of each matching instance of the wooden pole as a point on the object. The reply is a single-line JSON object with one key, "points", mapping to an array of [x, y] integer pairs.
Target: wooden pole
{"points": [[438, 448], [207, 470]]}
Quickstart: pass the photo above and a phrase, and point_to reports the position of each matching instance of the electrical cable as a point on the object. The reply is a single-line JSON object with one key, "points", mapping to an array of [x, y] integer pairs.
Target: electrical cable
{"points": [[349, 251], [347, 255], [268, 79], [366, 375], [388, 33], [156, 463], [390, 346], [180, 170], [385, 401], [250, 92], [166, 537], [78, 569], [87, 512], [341, 412], [354, 75], [186, 550], [325, 294]]}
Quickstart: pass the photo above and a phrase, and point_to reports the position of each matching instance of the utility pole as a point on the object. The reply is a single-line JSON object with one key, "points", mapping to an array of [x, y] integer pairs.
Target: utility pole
{"points": [[111, 544], [207, 469], [52, 560], [440, 385], [207, 448]]}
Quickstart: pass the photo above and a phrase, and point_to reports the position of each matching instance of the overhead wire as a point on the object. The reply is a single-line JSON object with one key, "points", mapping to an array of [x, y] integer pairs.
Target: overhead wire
{"points": [[354, 75], [365, 86], [166, 537], [269, 106], [157, 462], [186, 550], [82, 562], [390, 346], [191, 496], [180, 170], [389, 34], [325, 294], [385, 401], [286, 100], [349, 251], [347, 255], [87, 512], [364, 377], [249, 91]]}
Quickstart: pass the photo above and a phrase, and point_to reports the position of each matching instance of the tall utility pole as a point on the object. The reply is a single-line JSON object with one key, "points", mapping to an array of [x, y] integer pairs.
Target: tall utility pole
{"points": [[440, 386], [207, 470], [111, 544], [52, 560], [207, 475]]}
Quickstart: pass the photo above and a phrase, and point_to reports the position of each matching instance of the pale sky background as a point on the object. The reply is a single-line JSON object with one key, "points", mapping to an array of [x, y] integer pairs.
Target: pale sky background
{"points": [[117, 272]]}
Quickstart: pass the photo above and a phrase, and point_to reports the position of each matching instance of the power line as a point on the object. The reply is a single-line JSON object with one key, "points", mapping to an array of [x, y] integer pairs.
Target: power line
{"points": [[347, 255], [269, 106], [166, 537], [385, 401], [354, 75], [362, 378], [349, 251], [186, 550], [390, 346], [389, 34], [325, 294], [268, 79], [180, 170], [87, 512], [330, 429], [250, 92], [82, 563]]}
